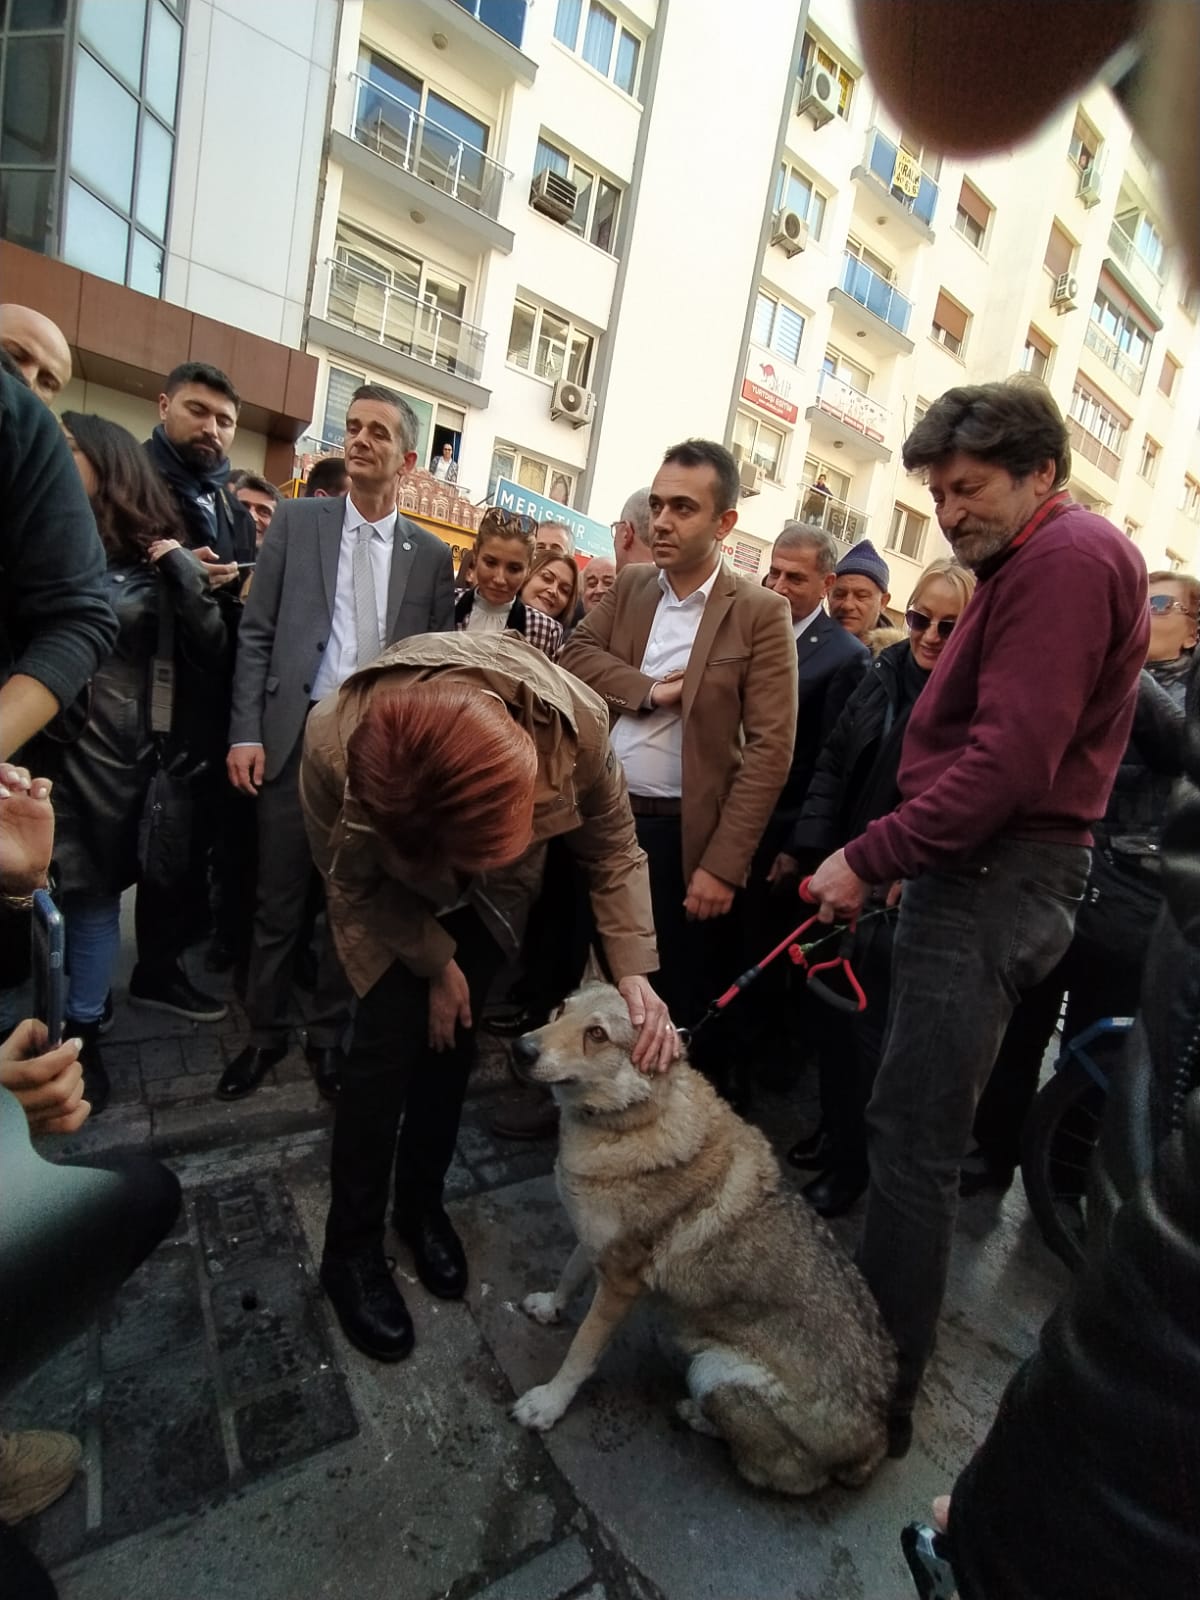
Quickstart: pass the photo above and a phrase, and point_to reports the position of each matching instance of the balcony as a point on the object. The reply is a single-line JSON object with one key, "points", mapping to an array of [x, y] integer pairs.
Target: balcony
{"points": [[820, 510], [1092, 449], [398, 152], [484, 37], [394, 331], [849, 419], [908, 192], [1135, 274], [876, 307], [1100, 344]]}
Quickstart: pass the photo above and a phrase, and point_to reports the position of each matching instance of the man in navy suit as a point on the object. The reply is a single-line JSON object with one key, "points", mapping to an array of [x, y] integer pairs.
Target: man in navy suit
{"points": [[802, 571]]}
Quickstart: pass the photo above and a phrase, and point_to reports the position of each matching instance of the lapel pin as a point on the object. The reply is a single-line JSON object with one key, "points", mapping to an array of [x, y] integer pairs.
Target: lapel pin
{"points": [[406, 545]]}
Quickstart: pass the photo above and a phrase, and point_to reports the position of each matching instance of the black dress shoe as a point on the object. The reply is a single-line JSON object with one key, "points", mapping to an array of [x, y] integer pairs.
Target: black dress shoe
{"points": [[327, 1061], [437, 1251], [832, 1193], [369, 1306], [244, 1074], [174, 991], [815, 1152]]}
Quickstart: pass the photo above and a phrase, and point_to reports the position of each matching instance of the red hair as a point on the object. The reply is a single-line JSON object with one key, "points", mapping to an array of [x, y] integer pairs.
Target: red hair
{"points": [[443, 772]]}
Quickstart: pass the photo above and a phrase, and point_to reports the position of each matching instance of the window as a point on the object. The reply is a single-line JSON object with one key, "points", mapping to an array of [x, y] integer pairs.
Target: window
{"points": [[1148, 465], [611, 49], [920, 407], [399, 117], [1132, 529], [1142, 232], [950, 324], [1035, 358], [547, 345], [812, 55], [1097, 427], [1168, 375], [1112, 312], [1085, 142], [778, 327], [1060, 251], [881, 268], [338, 394], [840, 366], [398, 299], [907, 532], [973, 216], [531, 472], [760, 443], [597, 202], [1190, 304], [795, 192], [1190, 503]]}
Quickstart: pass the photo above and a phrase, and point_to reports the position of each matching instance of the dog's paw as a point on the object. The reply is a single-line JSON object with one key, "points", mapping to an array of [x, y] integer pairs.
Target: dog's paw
{"points": [[689, 1411], [542, 1308], [539, 1408]]}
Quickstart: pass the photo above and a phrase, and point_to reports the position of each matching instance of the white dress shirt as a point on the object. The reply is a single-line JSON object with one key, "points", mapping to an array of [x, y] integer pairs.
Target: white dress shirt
{"points": [[802, 627], [650, 747], [341, 653]]}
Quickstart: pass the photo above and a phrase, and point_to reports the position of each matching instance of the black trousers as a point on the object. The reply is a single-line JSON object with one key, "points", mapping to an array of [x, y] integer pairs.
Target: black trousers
{"points": [[391, 1073], [169, 919]]}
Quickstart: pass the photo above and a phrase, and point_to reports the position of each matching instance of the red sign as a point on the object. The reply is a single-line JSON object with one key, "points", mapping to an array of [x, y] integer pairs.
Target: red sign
{"points": [[767, 400]]}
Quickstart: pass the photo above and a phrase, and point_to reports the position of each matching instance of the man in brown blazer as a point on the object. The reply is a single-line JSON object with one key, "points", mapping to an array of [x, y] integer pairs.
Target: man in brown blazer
{"points": [[698, 666]]}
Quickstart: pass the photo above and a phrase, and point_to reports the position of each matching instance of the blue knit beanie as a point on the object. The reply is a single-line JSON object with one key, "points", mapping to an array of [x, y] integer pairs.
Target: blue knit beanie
{"points": [[864, 561]]}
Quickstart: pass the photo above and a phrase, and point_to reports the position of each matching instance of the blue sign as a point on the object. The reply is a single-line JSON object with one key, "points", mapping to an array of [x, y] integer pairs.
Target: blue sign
{"points": [[591, 538]]}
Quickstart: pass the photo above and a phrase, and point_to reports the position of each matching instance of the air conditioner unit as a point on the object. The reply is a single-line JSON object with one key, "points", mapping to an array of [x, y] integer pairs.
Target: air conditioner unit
{"points": [[790, 233], [818, 96], [750, 475], [1088, 188], [572, 401], [1066, 292], [553, 195]]}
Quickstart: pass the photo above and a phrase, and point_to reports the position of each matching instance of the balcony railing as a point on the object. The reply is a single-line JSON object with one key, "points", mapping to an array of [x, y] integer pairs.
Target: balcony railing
{"points": [[402, 321], [1145, 276], [505, 17], [385, 125], [851, 407], [839, 517], [1093, 449], [1113, 356], [900, 174], [879, 296]]}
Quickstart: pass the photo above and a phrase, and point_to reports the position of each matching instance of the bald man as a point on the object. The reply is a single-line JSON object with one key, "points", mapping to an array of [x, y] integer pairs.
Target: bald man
{"points": [[38, 348], [598, 578], [631, 533]]}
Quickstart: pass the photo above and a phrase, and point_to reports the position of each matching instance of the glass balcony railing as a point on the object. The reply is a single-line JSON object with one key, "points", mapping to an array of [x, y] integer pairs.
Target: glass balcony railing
{"points": [[1144, 274], [1113, 356], [901, 175], [505, 17], [838, 517], [434, 154], [374, 309], [879, 296]]}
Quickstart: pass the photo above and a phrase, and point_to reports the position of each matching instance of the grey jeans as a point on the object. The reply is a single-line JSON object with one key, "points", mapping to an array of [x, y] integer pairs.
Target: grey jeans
{"points": [[970, 939]]}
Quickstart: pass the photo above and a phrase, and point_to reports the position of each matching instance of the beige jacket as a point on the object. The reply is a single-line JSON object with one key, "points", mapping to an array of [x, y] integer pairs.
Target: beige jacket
{"points": [[379, 913], [739, 705]]}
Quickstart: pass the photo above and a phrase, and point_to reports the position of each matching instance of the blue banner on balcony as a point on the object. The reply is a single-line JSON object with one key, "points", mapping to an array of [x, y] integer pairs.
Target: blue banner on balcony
{"points": [[591, 538]]}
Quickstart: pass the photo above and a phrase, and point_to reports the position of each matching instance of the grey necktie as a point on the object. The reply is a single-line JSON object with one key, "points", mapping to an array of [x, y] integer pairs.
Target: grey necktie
{"points": [[366, 616]]}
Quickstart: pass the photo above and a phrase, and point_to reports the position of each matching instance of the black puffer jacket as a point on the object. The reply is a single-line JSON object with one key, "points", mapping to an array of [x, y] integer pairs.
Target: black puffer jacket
{"points": [[1088, 1485]]}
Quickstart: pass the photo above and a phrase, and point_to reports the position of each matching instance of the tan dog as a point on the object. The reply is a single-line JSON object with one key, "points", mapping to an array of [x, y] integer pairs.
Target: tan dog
{"points": [[669, 1190]]}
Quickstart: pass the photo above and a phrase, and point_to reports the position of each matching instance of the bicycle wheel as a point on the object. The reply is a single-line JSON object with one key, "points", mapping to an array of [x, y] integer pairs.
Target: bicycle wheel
{"points": [[1056, 1154]]}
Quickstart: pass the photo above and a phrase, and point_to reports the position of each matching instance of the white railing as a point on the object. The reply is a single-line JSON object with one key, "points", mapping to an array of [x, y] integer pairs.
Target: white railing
{"points": [[1107, 348], [374, 309], [1144, 274], [839, 517], [852, 407]]}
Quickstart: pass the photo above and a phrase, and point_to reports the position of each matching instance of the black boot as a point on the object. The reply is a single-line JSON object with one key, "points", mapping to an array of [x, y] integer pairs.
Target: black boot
{"points": [[96, 1086]]}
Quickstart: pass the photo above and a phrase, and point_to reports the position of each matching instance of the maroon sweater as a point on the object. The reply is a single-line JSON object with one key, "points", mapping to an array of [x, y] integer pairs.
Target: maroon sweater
{"points": [[1021, 728]]}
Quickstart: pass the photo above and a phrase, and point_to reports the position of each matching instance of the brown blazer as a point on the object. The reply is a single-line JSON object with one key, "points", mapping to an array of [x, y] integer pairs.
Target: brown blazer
{"points": [[379, 913], [739, 705]]}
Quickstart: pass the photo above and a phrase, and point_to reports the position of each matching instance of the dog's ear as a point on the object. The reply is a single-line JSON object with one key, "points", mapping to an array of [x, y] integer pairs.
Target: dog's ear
{"points": [[593, 972]]}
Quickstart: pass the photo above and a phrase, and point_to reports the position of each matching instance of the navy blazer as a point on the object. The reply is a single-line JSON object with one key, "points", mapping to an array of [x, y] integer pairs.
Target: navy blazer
{"points": [[825, 652]]}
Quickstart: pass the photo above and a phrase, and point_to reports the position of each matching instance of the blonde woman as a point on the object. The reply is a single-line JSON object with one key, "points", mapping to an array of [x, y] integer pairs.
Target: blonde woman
{"points": [[505, 554]]}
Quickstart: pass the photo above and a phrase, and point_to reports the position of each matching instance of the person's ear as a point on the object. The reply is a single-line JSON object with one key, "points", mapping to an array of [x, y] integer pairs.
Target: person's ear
{"points": [[828, 581]]}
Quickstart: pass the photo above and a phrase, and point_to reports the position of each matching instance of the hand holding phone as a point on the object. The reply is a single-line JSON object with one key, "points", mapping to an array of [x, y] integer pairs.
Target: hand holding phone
{"points": [[49, 969]]}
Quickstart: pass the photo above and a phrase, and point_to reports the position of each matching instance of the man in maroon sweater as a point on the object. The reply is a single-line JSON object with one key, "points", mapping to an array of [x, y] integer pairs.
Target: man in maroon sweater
{"points": [[1008, 760]]}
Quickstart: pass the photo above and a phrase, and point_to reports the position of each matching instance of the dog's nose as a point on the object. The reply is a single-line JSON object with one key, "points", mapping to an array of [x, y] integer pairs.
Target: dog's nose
{"points": [[526, 1050]]}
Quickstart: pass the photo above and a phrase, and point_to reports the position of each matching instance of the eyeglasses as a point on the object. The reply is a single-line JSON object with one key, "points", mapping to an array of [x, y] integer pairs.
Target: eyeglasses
{"points": [[920, 623], [1161, 605], [511, 523]]}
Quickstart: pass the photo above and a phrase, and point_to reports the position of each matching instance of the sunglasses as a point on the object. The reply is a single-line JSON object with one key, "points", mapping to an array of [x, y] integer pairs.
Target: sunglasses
{"points": [[511, 523], [1161, 605], [920, 623]]}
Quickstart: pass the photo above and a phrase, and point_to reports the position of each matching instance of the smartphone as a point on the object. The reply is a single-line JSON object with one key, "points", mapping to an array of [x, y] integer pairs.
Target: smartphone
{"points": [[246, 566], [49, 967], [928, 1555]]}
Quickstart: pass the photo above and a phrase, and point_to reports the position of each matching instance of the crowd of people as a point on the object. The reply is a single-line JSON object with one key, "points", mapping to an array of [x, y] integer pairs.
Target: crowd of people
{"points": [[289, 724]]}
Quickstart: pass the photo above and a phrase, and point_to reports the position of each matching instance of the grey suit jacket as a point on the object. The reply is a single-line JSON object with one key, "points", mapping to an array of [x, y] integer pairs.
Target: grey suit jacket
{"points": [[285, 625]]}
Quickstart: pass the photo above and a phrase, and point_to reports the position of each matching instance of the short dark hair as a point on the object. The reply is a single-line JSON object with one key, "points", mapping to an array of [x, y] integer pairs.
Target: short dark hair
{"points": [[251, 480], [708, 453], [328, 474], [1015, 425], [382, 395], [200, 372]]}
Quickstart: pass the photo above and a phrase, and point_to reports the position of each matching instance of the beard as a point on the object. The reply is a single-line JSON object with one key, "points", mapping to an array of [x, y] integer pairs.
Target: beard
{"points": [[203, 456], [977, 544]]}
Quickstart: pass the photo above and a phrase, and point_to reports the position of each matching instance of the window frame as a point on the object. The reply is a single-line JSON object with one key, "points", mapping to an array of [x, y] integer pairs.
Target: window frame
{"points": [[1032, 335], [779, 308], [898, 536], [962, 214], [622, 29], [520, 456], [1073, 155], [833, 362], [956, 344], [1125, 323], [758, 424], [598, 181], [1176, 368], [1189, 502], [812, 51], [1098, 408], [817, 198], [1056, 227], [574, 330], [1149, 460]]}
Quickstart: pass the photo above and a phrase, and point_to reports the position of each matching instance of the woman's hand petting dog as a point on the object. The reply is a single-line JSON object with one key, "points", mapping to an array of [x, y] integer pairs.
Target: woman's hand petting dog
{"points": [[658, 1040], [48, 1083], [449, 1005]]}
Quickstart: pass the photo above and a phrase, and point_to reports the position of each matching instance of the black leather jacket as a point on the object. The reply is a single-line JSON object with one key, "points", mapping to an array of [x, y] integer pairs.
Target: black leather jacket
{"points": [[1088, 1485]]}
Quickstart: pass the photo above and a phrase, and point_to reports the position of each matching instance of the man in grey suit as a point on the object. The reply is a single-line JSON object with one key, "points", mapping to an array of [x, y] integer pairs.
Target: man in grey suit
{"points": [[337, 581]]}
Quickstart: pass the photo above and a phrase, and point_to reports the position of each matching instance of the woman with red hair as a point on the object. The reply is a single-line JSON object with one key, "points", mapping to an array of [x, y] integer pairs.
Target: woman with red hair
{"points": [[428, 782]]}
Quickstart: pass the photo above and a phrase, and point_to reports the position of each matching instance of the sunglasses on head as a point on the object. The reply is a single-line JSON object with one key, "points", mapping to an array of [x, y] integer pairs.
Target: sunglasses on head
{"points": [[920, 623], [511, 523], [1162, 605]]}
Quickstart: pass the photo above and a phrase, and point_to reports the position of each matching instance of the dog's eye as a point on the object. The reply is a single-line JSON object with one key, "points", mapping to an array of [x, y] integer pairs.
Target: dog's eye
{"points": [[597, 1035]]}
